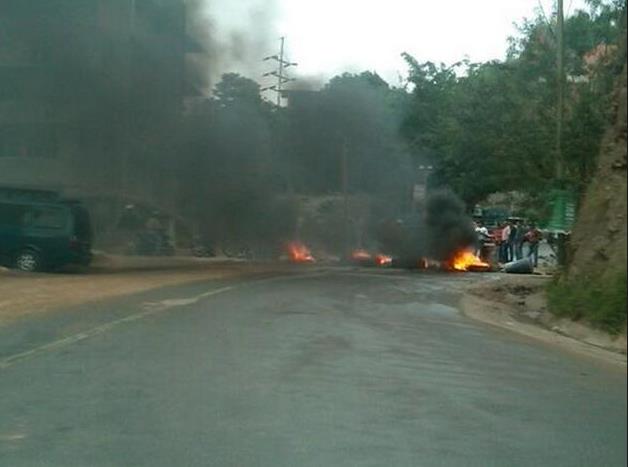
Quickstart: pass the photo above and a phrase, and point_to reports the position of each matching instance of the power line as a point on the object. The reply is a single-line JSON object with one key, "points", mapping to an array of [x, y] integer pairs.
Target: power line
{"points": [[280, 72]]}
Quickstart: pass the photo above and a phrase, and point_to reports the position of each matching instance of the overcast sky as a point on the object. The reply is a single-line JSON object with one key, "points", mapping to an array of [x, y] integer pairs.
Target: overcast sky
{"points": [[329, 36]]}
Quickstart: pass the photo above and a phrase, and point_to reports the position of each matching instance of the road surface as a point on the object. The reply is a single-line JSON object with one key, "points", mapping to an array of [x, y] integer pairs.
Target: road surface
{"points": [[318, 368]]}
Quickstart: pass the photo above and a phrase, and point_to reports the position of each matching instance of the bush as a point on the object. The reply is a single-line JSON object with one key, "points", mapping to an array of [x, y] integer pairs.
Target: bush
{"points": [[601, 301]]}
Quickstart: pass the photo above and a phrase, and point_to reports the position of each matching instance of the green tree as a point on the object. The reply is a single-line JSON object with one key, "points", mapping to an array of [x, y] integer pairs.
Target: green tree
{"points": [[354, 114], [491, 126], [234, 89]]}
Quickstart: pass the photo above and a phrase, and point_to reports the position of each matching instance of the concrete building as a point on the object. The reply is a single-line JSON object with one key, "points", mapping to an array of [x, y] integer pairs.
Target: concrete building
{"points": [[77, 79]]}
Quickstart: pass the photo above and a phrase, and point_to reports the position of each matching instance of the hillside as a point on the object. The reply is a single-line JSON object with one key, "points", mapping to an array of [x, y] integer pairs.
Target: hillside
{"points": [[594, 286], [599, 237]]}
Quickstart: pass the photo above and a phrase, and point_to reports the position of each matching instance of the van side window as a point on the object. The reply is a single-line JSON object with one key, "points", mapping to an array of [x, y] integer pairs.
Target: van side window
{"points": [[46, 217], [12, 215]]}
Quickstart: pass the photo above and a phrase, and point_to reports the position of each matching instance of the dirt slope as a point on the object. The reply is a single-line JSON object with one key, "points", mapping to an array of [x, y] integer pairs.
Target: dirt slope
{"points": [[599, 237]]}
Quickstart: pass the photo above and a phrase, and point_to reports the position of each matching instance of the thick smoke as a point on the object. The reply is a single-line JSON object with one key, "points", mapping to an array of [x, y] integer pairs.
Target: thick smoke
{"points": [[437, 231], [447, 226], [228, 165], [118, 73], [307, 83], [233, 37]]}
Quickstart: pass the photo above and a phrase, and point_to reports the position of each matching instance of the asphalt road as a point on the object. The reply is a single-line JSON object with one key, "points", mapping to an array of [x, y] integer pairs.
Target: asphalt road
{"points": [[330, 368]]}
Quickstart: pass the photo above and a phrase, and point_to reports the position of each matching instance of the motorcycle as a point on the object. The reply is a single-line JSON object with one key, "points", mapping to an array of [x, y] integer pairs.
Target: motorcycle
{"points": [[152, 243], [202, 249]]}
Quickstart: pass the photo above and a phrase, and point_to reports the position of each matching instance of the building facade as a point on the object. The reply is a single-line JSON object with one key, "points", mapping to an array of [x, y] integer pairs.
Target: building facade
{"points": [[81, 83]]}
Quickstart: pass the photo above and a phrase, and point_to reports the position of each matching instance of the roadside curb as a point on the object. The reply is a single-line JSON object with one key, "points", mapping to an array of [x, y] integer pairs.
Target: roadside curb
{"points": [[500, 315]]}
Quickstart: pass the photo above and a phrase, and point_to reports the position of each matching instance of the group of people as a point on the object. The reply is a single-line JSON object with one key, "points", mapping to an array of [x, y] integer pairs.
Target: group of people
{"points": [[511, 239]]}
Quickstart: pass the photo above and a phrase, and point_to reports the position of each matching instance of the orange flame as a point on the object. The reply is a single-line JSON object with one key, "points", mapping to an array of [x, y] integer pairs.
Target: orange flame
{"points": [[299, 253], [466, 260], [383, 260], [361, 255]]}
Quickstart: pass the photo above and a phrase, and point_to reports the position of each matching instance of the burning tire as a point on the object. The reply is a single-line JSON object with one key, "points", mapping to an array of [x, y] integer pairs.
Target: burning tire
{"points": [[299, 253], [467, 261], [362, 257]]}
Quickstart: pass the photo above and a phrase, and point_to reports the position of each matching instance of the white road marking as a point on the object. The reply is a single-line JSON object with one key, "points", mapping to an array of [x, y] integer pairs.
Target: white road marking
{"points": [[12, 437], [215, 292], [310, 275], [95, 331], [151, 308]]}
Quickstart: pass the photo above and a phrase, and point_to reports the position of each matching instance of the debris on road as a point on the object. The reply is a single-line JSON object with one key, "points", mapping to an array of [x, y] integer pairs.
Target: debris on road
{"points": [[522, 266]]}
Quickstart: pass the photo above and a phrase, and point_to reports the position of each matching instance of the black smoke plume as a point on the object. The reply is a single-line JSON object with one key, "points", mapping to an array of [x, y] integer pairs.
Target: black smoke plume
{"points": [[437, 231], [448, 228]]}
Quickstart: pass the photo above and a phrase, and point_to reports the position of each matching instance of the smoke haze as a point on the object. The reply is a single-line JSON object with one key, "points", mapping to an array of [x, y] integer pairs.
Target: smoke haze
{"points": [[230, 164], [234, 36]]}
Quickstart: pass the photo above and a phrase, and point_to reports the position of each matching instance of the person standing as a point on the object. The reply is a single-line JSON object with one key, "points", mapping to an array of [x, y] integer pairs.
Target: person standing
{"points": [[482, 236], [503, 248], [534, 237], [511, 240], [519, 239]]}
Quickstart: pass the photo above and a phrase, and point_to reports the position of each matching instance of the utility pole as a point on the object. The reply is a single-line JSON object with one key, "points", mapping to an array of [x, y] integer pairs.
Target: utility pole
{"points": [[560, 108], [344, 175], [282, 78], [280, 72]]}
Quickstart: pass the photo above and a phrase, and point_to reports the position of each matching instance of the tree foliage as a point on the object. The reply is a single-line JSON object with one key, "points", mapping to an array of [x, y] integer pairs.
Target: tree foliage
{"points": [[490, 127], [355, 118], [485, 127]]}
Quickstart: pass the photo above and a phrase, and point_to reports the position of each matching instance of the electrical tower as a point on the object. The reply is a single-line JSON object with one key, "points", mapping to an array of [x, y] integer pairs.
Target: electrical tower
{"points": [[280, 72]]}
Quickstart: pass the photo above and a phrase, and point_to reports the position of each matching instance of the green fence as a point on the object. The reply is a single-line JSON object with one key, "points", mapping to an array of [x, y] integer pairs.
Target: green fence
{"points": [[563, 207]]}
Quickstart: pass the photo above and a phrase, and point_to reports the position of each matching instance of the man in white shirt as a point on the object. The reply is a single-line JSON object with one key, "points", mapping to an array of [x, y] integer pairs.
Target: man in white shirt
{"points": [[482, 235]]}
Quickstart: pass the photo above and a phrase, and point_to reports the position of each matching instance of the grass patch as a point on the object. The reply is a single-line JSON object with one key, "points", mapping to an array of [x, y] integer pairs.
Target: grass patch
{"points": [[601, 301]]}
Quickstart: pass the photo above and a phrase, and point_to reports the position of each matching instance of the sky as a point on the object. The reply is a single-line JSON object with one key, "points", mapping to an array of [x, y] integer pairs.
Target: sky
{"points": [[329, 36]]}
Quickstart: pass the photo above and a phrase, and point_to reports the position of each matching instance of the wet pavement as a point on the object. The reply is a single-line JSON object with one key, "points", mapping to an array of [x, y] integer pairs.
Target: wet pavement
{"points": [[320, 368]]}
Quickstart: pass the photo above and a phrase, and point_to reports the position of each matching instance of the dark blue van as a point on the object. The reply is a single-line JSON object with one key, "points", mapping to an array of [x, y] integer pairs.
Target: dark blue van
{"points": [[41, 231]]}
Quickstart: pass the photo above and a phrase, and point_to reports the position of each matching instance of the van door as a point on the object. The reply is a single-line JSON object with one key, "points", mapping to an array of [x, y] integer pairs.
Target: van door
{"points": [[11, 224], [82, 234], [47, 229]]}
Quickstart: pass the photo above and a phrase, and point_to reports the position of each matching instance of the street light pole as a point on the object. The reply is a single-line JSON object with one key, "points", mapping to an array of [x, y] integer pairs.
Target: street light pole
{"points": [[344, 176]]}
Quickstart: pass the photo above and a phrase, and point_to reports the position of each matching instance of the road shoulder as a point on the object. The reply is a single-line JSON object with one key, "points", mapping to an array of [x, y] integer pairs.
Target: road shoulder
{"points": [[25, 295], [516, 303]]}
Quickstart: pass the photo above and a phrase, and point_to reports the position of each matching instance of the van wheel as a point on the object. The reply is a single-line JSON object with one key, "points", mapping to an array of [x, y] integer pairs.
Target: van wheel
{"points": [[28, 261]]}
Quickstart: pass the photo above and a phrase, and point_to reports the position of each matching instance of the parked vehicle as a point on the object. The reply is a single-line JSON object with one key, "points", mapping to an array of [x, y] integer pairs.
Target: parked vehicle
{"points": [[202, 248], [40, 231], [150, 242]]}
